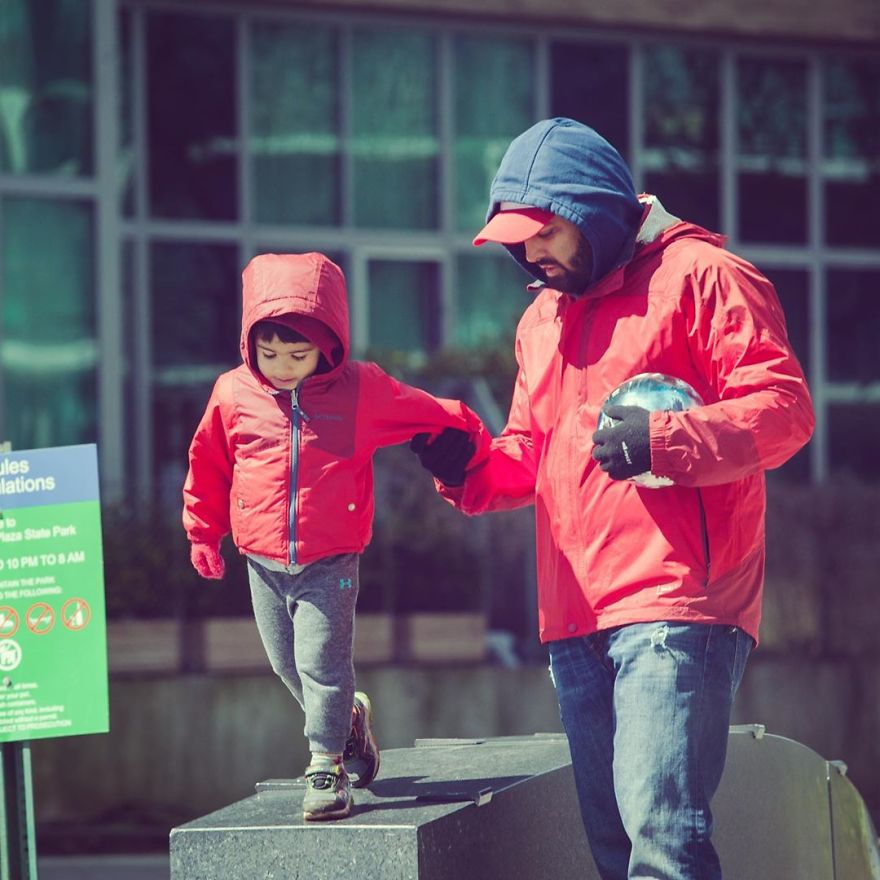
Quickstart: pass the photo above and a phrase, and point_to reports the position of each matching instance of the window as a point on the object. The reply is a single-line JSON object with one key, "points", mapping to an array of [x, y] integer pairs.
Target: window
{"points": [[771, 150], [294, 126], [491, 296], [494, 102], [191, 116], [680, 158], [849, 425], [853, 319], [49, 351], [404, 305], [195, 329], [851, 166], [590, 83], [45, 87], [792, 286], [394, 130]]}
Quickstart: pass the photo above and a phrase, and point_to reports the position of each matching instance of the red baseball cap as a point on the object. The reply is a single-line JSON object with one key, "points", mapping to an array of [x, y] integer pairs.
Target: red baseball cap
{"points": [[513, 225]]}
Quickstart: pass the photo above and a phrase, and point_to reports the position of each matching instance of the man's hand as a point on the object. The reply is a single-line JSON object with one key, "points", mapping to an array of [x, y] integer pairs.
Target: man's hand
{"points": [[623, 449], [446, 456], [207, 561]]}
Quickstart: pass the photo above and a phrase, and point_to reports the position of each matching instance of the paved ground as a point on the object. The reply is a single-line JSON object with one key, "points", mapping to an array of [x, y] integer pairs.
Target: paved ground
{"points": [[103, 867]]}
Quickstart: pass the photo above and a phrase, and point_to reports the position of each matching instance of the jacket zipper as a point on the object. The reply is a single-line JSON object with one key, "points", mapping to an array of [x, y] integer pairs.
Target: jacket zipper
{"points": [[704, 531], [298, 416], [574, 465]]}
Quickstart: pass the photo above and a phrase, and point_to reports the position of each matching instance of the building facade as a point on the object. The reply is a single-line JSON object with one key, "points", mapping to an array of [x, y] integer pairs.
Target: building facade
{"points": [[148, 148]]}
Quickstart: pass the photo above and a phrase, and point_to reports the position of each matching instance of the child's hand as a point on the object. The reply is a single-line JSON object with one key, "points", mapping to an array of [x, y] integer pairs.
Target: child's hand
{"points": [[207, 561], [446, 456]]}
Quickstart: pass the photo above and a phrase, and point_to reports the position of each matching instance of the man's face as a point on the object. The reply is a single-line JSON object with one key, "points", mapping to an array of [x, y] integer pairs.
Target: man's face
{"points": [[286, 364], [562, 254]]}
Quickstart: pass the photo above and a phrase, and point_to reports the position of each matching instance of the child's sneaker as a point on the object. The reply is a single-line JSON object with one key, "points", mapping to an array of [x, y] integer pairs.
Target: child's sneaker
{"points": [[361, 752], [328, 792]]}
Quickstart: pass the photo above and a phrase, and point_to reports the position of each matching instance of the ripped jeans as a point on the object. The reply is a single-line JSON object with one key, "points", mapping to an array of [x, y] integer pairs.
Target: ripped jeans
{"points": [[646, 709]]}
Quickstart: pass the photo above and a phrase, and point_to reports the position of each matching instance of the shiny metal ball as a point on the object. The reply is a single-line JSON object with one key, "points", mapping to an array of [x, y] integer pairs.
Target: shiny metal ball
{"points": [[651, 391]]}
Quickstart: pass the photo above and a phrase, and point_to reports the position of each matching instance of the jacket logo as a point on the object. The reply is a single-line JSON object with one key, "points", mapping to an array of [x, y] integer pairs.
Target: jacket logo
{"points": [[345, 583]]}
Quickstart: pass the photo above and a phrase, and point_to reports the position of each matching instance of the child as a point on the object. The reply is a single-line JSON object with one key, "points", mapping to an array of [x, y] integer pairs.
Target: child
{"points": [[283, 459]]}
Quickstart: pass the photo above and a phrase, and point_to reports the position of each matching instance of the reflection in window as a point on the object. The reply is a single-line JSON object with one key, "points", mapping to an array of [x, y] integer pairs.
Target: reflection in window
{"points": [[45, 87], [294, 137], [591, 84], [853, 324], [48, 348], [851, 109], [404, 305], [491, 296], [195, 328], [680, 158], [852, 450], [191, 116], [772, 149], [494, 102], [394, 129]]}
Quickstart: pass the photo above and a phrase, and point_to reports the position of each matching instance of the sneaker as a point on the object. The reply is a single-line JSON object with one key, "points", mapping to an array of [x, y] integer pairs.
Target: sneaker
{"points": [[361, 754], [328, 792]]}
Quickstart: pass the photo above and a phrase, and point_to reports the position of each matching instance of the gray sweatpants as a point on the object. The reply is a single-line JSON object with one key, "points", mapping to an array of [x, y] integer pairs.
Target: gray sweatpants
{"points": [[306, 622]]}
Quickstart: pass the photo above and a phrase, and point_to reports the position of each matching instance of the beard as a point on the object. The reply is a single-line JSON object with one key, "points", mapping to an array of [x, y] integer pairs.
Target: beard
{"points": [[575, 276]]}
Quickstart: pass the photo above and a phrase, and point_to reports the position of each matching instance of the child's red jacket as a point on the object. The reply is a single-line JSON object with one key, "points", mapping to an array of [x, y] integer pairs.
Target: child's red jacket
{"points": [[290, 473]]}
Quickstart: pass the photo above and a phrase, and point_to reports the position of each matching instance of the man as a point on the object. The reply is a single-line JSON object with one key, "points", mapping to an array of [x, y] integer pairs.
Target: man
{"points": [[649, 599]]}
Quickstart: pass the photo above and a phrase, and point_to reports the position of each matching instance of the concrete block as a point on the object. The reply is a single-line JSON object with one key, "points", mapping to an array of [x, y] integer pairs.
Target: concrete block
{"points": [[473, 809], [466, 809]]}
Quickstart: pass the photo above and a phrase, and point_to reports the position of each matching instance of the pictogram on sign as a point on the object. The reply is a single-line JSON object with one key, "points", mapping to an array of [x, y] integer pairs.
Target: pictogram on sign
{"points": [[10, 655], [8, 621], [40, 618], [75, 614]]}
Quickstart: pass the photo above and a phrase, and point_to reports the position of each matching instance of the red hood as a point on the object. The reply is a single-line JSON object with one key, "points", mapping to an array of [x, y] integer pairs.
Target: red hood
{"points": [[300, 284]]}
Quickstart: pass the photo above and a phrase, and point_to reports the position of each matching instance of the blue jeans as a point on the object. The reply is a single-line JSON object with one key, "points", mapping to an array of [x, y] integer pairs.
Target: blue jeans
{"points": [[646, 709]]}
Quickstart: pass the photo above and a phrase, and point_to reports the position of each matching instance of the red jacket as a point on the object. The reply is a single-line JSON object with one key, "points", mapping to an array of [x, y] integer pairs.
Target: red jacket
{"points": [[290, 473], [611, 552]]}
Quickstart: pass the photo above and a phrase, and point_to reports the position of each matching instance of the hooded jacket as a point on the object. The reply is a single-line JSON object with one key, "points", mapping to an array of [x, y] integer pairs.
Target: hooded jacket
{"points": [[667, 298], [289, 473]]}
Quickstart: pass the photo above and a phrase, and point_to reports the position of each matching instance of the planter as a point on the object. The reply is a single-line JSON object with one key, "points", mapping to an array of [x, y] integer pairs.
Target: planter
{"points": [[373, 639], [232, 644], [445, 638], [144, 646]]}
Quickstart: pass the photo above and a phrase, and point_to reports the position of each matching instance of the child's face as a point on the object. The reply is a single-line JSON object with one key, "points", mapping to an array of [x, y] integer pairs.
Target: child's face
{"points": [[286, 364]]}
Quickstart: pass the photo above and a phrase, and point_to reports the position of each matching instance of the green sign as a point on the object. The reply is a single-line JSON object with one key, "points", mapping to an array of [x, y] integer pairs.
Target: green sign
{"points": [[53, 636]]}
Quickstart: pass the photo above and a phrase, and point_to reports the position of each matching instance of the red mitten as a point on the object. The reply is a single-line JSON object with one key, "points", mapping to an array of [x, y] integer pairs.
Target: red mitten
{"points": [[207, 561]]}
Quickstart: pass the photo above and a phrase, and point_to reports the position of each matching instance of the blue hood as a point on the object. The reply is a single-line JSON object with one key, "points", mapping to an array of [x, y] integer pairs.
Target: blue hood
{"points": [[568, 169]]}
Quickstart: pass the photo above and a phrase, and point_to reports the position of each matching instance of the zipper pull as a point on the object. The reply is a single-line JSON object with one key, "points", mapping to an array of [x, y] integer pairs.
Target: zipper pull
{"points": [[298, 411]]}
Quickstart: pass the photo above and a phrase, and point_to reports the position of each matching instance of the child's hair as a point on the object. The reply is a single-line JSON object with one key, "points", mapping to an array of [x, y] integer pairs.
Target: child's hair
{"points": [[268, 330]]}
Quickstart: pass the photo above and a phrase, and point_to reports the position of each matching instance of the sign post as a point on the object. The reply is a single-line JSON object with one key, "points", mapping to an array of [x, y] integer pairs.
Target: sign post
{"points": [[53, 639]]}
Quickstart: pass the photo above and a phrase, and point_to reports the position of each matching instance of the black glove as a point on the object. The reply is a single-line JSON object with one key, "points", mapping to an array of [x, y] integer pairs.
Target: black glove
{"points": [[446, 456], [623, 448]]}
